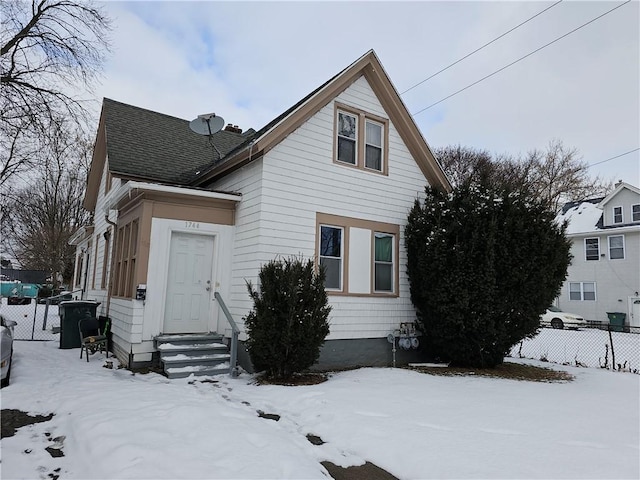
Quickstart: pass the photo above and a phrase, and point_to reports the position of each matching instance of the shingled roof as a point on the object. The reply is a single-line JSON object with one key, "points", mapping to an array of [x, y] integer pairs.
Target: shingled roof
{"points": [[153, 146]]}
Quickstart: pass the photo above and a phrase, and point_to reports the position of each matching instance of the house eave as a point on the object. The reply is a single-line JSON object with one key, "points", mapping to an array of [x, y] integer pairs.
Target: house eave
{"points": [[130, 189], [81, 235]]}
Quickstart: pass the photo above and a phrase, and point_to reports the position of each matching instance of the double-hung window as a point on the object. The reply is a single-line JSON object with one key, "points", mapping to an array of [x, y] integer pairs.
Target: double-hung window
{"points": [[383, 262], [617, 215], [582, 291], [361, 139], [331, 255], [347, 138], [635, 213], [616, 247], [592, 248]]}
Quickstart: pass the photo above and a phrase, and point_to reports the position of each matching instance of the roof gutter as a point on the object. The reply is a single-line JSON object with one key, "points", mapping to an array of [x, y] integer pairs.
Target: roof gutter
{"points": [[605, 231], [128, 188]]}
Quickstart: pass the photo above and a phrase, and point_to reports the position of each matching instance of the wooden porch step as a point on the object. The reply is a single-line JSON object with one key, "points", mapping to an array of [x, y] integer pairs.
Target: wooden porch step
{"points": [[197, 370]]}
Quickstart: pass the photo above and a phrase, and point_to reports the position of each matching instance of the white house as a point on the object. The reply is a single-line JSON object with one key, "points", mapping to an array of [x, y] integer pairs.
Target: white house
{"points": [[179, 217], [604, 275]]}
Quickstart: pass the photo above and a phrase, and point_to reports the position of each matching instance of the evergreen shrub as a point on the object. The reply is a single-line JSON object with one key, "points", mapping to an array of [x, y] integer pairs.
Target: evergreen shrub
{"points": [[483, 263], [289, 321]]}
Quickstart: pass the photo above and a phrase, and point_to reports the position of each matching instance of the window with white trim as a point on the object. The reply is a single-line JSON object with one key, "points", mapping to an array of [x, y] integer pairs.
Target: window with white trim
{"points": [[583, 291], [592, 248], [617, 215], [383, 262], [635, 213], [331, 255], [616, 247], [361, 139]]}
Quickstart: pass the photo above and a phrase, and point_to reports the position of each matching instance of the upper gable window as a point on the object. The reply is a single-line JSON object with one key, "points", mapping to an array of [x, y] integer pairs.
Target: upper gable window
{"points": [[361, 139], [635, 213], [347, 138], [617, 214]]}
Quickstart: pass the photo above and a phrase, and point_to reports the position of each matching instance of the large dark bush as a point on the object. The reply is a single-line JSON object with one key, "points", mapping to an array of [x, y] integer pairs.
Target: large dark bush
{"points": [[483, 263], [289, 321]]}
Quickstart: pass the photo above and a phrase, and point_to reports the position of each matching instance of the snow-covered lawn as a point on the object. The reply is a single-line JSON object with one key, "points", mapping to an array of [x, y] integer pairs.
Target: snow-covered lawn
{"points": [[119, 425]]}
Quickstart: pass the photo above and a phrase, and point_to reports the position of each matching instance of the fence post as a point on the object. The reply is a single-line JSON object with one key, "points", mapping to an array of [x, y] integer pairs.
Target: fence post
{"points": [[33, 327], [613, 355]]}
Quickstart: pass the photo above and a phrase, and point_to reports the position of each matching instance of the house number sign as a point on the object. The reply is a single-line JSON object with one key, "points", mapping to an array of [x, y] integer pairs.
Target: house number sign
{"points": [[192, 224]]}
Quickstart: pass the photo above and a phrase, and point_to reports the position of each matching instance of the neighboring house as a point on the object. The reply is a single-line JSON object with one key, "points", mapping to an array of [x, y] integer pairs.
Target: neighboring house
{"points": [[604, 275], [178, 216]]}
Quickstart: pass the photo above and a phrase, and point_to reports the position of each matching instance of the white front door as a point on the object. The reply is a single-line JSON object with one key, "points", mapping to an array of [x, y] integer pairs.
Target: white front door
{"points": [[189, 283]]}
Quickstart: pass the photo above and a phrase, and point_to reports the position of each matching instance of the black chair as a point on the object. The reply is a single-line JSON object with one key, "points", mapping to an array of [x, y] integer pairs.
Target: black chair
{"points": [[91, 339]]}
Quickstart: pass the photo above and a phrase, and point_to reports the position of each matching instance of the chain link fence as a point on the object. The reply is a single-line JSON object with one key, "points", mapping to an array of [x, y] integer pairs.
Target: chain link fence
{"points": [[597, 346], [30, 320]]}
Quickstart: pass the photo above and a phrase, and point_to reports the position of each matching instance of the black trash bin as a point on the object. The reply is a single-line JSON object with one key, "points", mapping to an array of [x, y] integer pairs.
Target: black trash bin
{"points": [[71, 312], [616, 321]]}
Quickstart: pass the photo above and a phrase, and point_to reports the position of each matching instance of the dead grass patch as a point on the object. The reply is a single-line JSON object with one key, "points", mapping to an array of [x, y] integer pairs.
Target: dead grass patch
{"points": [[511, 371], [295, 380]]}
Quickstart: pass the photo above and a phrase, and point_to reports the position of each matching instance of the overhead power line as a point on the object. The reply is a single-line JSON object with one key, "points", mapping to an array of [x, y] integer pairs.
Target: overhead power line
{"points": [[519, 59], [480, 48], [613, 158]]}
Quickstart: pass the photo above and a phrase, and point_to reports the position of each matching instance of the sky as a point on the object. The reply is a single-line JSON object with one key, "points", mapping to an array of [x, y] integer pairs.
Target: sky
{"points": [[250, 61], [112, 424]]}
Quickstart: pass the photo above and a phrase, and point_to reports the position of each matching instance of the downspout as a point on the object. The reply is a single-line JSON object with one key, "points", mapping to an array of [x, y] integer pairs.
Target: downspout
{"points": [[113, 256]]}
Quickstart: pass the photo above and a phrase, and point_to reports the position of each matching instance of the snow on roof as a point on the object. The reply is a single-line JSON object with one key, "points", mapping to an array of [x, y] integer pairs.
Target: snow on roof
{"points": [[583, 217]]}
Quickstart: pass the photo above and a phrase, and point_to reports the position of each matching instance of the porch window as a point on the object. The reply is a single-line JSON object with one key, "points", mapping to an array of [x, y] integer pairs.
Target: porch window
{"points": [[383, 262], [616, 247], [331, 255], [592, 248], [125, 260]]}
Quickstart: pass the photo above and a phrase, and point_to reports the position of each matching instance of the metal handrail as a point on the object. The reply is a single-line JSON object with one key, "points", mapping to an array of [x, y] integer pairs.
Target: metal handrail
{"points": [[235, 331]]}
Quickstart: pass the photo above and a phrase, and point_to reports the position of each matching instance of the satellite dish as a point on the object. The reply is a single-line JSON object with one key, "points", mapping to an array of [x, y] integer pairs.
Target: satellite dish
{"points": [[207, 124]]}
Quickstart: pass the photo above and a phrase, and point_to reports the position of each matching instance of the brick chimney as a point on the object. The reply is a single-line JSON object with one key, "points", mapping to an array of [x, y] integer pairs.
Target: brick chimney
{"points": [[232, 128]]}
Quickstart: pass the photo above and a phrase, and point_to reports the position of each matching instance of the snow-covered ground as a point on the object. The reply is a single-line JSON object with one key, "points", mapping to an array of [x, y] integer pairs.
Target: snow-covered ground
{"points": [[119, 425]]}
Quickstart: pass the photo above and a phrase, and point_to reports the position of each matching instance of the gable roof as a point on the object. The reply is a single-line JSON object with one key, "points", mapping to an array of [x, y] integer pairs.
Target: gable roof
{"points": [[145, 145], [619, 187], [275, 131], [581, 216]]}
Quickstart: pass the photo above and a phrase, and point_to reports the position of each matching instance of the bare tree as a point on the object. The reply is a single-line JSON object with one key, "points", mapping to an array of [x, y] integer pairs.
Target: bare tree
{"points": [[51, 51], [555, 176], [45, 213]]}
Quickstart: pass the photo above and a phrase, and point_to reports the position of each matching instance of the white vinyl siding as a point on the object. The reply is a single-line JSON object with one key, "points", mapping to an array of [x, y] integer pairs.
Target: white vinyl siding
{"points": [[300, 179]]}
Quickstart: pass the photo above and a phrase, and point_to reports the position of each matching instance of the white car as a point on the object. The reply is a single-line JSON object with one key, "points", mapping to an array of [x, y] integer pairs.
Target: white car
{"points": [[6, 348], [559, 319]]}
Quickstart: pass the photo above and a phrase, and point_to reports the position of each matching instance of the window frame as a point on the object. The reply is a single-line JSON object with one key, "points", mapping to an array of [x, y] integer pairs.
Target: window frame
{"points": [[362, 118], [346, 223], [586, 254], [613, 218], [582, 292], [375, 262], [635, 215], [340, 288], [355, 140], [623, 247]]}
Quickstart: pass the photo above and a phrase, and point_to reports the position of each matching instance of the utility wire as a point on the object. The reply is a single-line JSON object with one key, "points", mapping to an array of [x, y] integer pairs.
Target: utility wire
{"points": [[613, 158], [519, 59], [480, 48]]}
